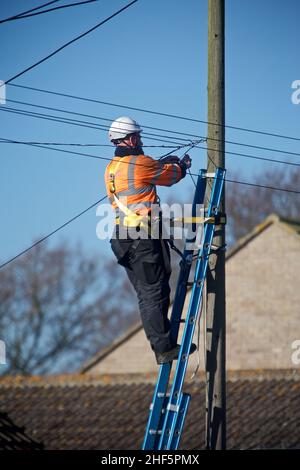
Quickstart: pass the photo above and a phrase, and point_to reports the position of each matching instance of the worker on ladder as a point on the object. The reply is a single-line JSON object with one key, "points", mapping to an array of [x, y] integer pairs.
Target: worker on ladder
{"points": [[131, 178]]}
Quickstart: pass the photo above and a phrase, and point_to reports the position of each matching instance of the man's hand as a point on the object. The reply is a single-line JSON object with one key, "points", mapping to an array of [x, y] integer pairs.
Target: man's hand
{"points": [[187, 161], [170, 159]]}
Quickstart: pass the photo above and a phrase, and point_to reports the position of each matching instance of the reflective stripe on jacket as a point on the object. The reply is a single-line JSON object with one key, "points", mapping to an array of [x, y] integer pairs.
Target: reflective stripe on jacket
{"points": [[136, 178]]}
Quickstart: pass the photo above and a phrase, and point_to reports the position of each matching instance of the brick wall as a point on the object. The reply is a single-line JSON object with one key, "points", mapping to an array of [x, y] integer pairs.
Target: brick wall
{"points": [[263, 301]]}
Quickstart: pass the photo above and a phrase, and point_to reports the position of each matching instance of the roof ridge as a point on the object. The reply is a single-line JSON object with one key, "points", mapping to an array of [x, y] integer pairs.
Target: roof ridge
{"points": [[77, 380]]}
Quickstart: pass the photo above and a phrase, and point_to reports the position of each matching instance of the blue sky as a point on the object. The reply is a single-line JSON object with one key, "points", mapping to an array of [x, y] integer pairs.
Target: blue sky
{"points": [[153, 56]]}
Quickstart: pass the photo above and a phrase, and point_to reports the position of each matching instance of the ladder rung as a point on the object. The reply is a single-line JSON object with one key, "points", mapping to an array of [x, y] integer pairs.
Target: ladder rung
{"points": [[213, 219], [173, 407], [162, 395], [198, 283], [154, 431]]}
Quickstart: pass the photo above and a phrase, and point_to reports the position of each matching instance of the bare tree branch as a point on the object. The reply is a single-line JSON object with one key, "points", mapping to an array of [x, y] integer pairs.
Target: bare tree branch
{"points": [[248, 206], [57, 309]]}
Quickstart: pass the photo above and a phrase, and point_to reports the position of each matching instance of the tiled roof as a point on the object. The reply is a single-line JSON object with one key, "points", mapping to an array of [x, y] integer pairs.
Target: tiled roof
{"points": [[80, 412]]}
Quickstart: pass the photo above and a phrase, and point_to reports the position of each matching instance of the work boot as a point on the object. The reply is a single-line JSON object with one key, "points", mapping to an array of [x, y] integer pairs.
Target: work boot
{"points": [[172, 354]]}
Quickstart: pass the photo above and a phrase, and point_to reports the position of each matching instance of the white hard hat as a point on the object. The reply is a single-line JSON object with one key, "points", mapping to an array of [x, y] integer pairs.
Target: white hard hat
{"points": [[123, 126]]}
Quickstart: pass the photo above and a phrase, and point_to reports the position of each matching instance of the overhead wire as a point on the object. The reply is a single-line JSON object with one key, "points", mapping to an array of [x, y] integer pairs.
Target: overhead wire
{"points": [[75, 144], [22, 16], [76, 113], [72, 122], [193, 144], [68, 44], [87, 124], [187, 135], [174, 116], [96, 126], [245, 155], [51, 233], [3, 140], [139, 164], [28, 11]]}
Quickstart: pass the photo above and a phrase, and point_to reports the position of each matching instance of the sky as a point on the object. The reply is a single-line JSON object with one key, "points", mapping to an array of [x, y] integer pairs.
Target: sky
{"points": [[152, 56]]}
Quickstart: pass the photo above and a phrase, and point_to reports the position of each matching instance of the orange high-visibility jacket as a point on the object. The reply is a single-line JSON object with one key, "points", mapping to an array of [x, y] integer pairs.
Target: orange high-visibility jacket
{"points": [[136, 178]]}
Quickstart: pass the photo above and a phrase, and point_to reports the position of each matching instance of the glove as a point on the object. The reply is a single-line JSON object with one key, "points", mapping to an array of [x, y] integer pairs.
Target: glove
{"points": [[186, 162]]}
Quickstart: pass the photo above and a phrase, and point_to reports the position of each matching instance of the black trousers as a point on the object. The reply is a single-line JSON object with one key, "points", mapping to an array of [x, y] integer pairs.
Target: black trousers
{"points": [[147, 263]]}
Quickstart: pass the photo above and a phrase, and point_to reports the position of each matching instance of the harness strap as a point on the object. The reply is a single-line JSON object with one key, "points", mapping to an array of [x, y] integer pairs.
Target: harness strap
{"points": [[131, 219]]}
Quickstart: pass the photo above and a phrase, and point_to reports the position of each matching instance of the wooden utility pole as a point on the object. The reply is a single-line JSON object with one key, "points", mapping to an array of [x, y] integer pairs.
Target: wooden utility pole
{"points": [[215, 319]]}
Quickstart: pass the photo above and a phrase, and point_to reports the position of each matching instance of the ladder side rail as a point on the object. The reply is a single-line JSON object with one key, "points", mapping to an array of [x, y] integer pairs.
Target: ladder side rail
{"points": [[155, 416], [181, 288], [194, 306], [183, 407]]}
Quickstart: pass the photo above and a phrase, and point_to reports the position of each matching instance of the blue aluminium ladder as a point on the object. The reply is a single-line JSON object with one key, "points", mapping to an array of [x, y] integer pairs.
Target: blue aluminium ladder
{"points": [[168, 410]]}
